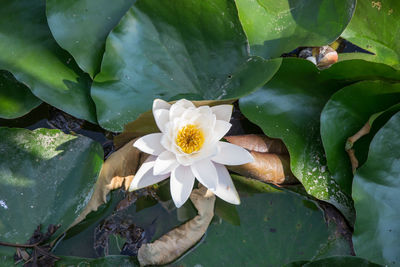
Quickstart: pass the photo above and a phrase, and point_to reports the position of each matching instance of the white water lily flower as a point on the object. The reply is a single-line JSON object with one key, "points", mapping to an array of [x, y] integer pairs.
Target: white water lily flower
{"points": [[189, 147]]}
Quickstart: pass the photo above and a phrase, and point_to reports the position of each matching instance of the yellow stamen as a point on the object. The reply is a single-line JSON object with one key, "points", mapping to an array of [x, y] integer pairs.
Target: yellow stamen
{"points": [[190, 139]]}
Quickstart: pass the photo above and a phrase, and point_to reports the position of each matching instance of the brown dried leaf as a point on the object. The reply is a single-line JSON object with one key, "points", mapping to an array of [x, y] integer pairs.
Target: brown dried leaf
{"points": [[271, 159], [258, 143], [267, 167], [145, 123], [173, 244], [117, 171]]}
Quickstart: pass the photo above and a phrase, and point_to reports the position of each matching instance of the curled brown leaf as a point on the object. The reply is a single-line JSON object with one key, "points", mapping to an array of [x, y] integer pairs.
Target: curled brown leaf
{"points": [[258, 143], [173, 244], [271, 159]]}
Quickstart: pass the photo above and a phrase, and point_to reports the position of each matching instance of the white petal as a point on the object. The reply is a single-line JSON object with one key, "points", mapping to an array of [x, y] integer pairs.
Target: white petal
{"points": [[205, 172], [181, 182], [220, 129], [179, 108], [223, 112], [225, 188], [150, 144], [205, 110], [165, 163], [184, 103], [161, 116], [189, 159], [160, 104], [144, 176], [230, 154]]}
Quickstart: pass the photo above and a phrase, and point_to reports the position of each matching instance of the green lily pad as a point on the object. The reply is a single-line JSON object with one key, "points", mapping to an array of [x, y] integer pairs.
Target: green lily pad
{"points": [[376, 190], [345, 113], [277, 27], [30, 53], [46, 177], [16, 99], [335, 261], [120, 261], [81, 27], [289, 107], [171, 50], [375, 27], [275, 228]]}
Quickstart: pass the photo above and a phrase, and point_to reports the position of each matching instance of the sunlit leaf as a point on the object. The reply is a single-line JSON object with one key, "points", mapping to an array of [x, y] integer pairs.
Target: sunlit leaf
{"points": [[29, 52], [171, 50], [375, 27], [46, 177], [277, 27]]}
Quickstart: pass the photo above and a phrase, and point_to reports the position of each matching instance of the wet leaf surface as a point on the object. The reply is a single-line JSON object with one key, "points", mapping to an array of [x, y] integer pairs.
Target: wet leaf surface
{"points": [[375, 28], [289, 107], [174, 52], [46, 177], [344, 114]]}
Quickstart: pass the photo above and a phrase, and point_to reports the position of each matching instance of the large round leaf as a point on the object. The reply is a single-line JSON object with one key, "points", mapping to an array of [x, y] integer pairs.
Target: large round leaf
{"points": [[28, 50], [289, 107], [346, 113], [376, 191], [275, 228], [16, 99], [277, 27], [174, 49], [375, 27], [46, 177], [81, 27]]}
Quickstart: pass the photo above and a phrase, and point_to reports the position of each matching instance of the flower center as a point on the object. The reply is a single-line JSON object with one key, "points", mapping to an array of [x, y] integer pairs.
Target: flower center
{"points": [[190, 139]]}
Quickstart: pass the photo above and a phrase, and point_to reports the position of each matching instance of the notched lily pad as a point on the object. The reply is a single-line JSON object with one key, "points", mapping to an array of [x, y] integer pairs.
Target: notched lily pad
{"points": [[171, 50]]}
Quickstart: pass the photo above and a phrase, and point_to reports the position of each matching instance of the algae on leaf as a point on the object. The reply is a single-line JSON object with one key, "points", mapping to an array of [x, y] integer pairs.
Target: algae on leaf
{"points": [[46, 177]]}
